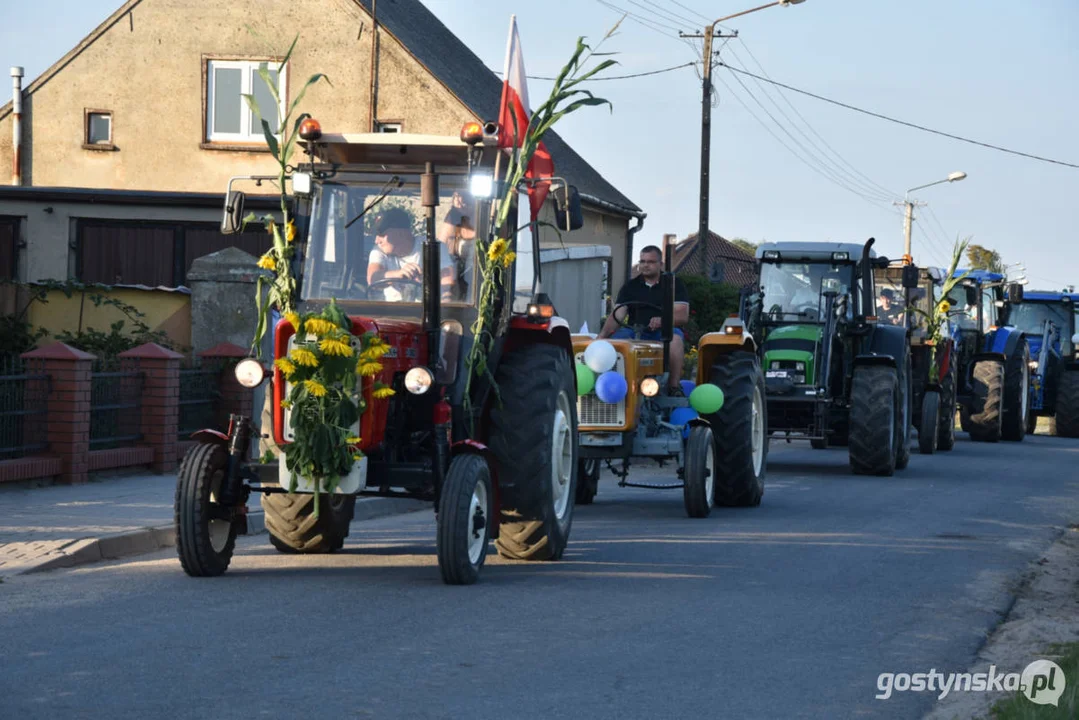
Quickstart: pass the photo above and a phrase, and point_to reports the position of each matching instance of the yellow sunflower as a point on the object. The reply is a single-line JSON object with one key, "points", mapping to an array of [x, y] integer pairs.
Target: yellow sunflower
{"points": [[320, 326], [266, 262], [368, 368], [497, 249], [353, 440], [384, 392], [290, 231], [945, 307], [293, 320], [508, 258], [285, 366], [315, 388], [331, 346], [304, 357]]}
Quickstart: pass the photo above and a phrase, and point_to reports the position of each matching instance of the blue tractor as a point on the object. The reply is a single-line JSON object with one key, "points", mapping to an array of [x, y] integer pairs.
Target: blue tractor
{"points": [[1049, 321], [993, 388]]}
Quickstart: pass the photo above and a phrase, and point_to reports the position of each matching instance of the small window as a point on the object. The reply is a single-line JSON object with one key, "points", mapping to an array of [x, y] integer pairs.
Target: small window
{"points": [[389, 127], [97, 130], [229, 119]]}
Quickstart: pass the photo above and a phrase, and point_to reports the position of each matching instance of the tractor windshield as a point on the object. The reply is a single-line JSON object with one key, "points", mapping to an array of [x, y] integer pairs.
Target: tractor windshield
{"points": [[1030, 317], [379, 257], [892, 303], [793, 291]]}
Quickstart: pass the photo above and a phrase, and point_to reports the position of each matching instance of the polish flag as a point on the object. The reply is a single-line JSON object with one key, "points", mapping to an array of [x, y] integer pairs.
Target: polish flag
{"points": [[515, 100]]}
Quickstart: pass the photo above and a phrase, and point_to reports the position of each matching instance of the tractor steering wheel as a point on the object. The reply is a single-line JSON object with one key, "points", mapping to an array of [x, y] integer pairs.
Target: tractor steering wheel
{"points": [[637, 329], [392, 281]]}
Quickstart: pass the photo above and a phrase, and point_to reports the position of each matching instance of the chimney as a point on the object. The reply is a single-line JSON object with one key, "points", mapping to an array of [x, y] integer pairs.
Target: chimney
{"points": [[16, 125]]}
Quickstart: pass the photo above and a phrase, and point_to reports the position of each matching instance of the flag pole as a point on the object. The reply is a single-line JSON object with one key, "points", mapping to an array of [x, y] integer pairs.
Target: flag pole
{"points": [[501, 104]]}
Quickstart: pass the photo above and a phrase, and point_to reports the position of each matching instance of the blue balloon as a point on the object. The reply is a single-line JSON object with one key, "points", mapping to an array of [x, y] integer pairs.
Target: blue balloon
{"points": [[681, 416], [611, 387], [687, 386]]}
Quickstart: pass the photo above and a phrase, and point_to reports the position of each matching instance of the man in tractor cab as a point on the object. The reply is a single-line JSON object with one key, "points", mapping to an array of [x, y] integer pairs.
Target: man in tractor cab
{"points": [[645, 289], [890, 312], [398, 255]]}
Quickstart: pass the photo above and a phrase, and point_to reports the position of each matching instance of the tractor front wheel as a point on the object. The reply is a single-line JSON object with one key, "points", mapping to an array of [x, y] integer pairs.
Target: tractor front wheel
{"points": [[587, 481], [1067, 417], [740, 430], [205, 532], [927, 435], [699, 486], [1013, 422], [984, 415], [874, 414], [464, 517], [534, 436], [946, 430]]}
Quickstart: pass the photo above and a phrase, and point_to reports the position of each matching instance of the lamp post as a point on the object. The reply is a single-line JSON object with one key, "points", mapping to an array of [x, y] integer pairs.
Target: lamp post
{"points": [[908, 219], [706, 118]]}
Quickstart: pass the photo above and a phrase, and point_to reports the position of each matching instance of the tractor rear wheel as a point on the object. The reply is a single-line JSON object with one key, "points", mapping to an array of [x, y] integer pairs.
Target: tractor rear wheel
{"points": [[740, 431], [946, 430], [534, 437], [930, 422], [984, 415], [292, 525], [205, 539], [587, 481], [874, 413], [1013, 423], [1067, 417]]}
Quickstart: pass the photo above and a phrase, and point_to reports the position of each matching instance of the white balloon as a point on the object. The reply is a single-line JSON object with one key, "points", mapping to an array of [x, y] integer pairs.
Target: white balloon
{"points": [[600, 356]]}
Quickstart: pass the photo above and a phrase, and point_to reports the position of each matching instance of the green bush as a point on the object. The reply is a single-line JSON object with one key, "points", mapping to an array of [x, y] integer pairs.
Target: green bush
{"points": [[709, 305]]}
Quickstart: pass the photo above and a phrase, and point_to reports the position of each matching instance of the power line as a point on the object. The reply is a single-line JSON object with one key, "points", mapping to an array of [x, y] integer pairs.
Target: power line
{"points": [[650, 24], [686, 7], [902, 122], [614, 77]]}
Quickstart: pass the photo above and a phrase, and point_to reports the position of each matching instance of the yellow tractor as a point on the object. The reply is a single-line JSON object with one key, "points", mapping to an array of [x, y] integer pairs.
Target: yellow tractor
{"points": [[715, 433]]}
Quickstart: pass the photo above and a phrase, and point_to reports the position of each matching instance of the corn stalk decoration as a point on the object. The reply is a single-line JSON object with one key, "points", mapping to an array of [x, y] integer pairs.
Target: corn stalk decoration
{"points": [[937, 320], [493, 254], [329, 366]]}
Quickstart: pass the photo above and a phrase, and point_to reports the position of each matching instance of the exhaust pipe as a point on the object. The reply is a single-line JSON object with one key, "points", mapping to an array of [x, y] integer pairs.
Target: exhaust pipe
{"points": [[868, 307], [16, 125]]}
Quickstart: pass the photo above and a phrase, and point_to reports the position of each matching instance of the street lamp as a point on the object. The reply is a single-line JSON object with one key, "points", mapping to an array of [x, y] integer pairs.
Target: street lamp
{"points": [[908, 219], [706, 116]]}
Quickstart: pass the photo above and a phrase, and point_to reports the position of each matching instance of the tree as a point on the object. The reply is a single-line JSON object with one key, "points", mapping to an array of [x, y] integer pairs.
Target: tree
{"points": [[709, 305], [746, 245], [982, 258]]}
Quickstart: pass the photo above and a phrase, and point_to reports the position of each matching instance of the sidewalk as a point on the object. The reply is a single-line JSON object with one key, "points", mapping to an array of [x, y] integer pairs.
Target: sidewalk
{"points": [[57, 526]]}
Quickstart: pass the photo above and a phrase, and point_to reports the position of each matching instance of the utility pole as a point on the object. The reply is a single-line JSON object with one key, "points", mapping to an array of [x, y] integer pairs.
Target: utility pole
{"points": [[908, 222], [706, 137]]}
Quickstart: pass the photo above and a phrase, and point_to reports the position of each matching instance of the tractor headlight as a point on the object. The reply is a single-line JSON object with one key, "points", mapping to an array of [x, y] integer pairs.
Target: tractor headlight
{"points": [[649, 387], [1033, 364], [418, 380], [250, 373]]}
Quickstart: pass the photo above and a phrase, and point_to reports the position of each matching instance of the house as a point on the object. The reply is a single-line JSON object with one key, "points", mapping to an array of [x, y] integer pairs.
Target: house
{"points": [[127, 142], [722, 260]]}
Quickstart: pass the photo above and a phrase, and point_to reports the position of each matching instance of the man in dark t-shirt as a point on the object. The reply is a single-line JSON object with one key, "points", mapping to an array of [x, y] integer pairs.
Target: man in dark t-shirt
{"points": [[645, 289]]}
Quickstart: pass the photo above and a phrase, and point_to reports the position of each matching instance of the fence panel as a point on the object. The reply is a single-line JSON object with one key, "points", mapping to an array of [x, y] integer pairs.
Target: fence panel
{"points": [[24, 396]]}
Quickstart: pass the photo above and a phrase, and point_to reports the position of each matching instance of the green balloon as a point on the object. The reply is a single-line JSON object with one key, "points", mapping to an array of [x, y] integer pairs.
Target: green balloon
{"points": [[586, 379], [706, 399]]}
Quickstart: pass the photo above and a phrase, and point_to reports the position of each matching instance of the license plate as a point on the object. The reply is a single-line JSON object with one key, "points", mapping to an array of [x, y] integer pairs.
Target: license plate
{"points": [[601, 439], [777, 374]]}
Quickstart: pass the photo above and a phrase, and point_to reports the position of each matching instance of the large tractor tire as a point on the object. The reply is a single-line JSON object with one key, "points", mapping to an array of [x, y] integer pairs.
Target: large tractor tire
{"points": [[534, 437], [874, 413], [906, 399], [204, 542], [946, 430], [1067, 417], [1013, 421], [984, 415], [930, 422], [699, 478], [587, 481], [464, 519], [740, 429], [290, 520]]}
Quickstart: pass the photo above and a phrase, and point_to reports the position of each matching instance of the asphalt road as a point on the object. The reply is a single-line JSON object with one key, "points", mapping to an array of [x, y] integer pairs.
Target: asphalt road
{"points": [[790, 610]]}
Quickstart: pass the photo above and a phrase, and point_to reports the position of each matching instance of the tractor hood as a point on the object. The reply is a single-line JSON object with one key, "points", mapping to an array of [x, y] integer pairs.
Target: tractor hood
{"points": [[803, 338], [792, 348]]}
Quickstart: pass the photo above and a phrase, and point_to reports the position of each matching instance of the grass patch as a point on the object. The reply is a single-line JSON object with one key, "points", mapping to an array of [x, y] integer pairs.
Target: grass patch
{"points": [[1020, 708]]}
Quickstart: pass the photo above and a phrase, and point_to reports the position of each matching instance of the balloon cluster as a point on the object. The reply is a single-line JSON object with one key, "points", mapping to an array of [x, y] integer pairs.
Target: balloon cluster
{"points": [[597, 373]]}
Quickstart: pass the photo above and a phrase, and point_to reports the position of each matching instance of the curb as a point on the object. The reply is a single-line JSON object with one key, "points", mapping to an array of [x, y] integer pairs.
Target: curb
{"points": [[151, 539]]}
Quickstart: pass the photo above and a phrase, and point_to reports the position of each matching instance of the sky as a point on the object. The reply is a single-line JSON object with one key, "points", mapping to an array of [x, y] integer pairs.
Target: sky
{"points": [[1002, 73]]}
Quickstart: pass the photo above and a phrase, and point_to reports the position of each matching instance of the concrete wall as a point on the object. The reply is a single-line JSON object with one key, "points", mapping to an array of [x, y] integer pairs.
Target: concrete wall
{"points": [[147, 69], [223, 289]]}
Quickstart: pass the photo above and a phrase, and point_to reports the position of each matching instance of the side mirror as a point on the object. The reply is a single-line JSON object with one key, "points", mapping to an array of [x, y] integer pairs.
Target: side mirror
{"points": [[910, 277], [972, 295], [1015, 293], [568, 214], [233, 218]]}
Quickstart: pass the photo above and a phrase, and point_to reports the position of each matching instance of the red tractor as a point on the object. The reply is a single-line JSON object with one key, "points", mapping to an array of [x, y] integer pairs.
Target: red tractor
{"points": [[387, 225]]}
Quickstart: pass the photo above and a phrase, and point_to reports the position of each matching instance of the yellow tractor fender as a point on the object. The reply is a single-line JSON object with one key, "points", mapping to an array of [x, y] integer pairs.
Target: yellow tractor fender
{"points": [[711, 346]]}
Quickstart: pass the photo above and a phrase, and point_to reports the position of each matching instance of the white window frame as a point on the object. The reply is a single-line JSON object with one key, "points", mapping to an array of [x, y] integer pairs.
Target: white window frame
{"points": [[390, 127], [89, 119], [249, 131]]}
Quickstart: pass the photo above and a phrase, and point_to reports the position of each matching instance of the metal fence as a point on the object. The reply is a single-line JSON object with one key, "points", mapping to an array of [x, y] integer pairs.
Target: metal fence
{"points": [[115, 405], [199, 396], [23, 407]]}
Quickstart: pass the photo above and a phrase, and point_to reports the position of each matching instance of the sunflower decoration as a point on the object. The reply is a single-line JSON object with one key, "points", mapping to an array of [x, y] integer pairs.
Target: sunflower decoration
{"points": [[328, 371]]}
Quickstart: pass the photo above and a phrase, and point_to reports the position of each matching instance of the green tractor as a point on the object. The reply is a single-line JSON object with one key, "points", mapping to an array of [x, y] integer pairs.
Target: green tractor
{"points": [[835, 372]]}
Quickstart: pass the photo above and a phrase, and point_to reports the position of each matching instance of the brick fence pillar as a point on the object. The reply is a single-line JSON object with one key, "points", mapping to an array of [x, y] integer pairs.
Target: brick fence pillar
{"points": [[68, 403], [160, 402], [235, 398]]}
